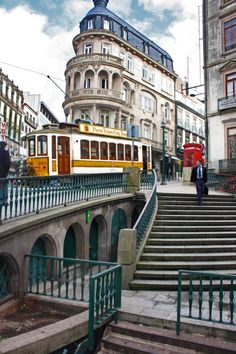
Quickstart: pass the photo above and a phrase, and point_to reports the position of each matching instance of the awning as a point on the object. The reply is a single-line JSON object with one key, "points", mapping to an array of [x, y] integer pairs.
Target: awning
{"points": [[174, 158]]}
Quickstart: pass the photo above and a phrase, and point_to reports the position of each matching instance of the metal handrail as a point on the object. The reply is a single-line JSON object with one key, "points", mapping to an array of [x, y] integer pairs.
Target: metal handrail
{"points": [[98, 283], [27, 195], [146, 215], [208, 282]]}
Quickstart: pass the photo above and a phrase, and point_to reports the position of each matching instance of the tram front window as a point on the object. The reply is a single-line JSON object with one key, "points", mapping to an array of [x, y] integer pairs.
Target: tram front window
{"points": [[42, 145], [31, 146]]}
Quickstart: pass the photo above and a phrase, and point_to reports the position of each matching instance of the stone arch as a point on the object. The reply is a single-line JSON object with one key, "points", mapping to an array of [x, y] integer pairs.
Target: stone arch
{"points": [[47, 242], [89, 78], [74, 242], [98, 239], [119, 221], [103, 79], [116, 82], [149, 101], [77, 79], [9, 276]]}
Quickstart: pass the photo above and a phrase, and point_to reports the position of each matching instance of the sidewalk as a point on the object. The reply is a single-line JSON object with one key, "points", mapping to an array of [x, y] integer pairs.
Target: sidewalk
{"points": [[180, 187]]}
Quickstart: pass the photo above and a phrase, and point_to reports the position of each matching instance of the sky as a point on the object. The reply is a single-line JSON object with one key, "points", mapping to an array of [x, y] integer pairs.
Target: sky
{"points": [[36, 39]]}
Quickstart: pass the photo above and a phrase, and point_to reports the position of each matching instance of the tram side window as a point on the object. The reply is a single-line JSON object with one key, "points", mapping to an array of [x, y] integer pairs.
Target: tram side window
{"points": [[128, 152], [112, 151], [42, 145], [84, 149], [135, 153], [104, 151], [94, 150], [120, 152], [53, 147], [31, 146]]}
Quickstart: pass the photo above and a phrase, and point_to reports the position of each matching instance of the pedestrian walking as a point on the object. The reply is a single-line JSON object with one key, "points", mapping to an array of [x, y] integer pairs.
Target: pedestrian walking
{"points": [[5, 162], [199, 177]]}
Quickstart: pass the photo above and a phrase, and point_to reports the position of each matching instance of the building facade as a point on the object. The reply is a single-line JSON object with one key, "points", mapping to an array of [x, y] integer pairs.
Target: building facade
{"points": [[119, 78], [190, 120], [220, 79], [11, 113]]}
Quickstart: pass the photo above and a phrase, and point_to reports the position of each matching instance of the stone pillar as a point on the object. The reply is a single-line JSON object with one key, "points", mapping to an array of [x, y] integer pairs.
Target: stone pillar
{"points": [[133, 179], [126, 255]]}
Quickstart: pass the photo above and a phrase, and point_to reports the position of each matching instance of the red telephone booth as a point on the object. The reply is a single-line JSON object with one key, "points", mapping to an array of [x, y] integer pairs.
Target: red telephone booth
{"points": [[192, 153]]}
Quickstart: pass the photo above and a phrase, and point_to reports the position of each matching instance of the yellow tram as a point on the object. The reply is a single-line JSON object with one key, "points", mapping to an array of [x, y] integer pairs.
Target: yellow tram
{"points": [[61, 149]]}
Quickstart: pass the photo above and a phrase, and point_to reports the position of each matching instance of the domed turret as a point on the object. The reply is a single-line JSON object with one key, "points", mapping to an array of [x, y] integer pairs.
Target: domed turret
{"points": [[102, 3]]}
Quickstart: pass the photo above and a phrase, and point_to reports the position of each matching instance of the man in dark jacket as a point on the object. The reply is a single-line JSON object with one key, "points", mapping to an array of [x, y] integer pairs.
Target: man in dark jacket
{"points": [[199, 176], [5, 162]]}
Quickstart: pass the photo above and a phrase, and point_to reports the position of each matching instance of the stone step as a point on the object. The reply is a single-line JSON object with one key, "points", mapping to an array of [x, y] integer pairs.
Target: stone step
{"points": [[191, 242], [190, 249], [206, 203], [193, 216], [193, 195], [197, 211], [188, 265], [193, 222], [172, 285], [168, 274], [193, 229], [165, 340], [188, 257], [194, 234]]}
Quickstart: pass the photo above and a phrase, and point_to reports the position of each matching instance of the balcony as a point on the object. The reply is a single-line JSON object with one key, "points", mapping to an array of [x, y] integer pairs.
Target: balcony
{"points": [[30, 122], [95, 58], [226, 103]]}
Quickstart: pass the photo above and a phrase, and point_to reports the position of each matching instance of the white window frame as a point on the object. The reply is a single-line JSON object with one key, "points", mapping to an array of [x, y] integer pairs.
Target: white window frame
{"points": [[125, 35], [90, 24], [130, 63], [87, 83], [88, 48], [106, 24], [106, 48], [104, 83], [105, 118]]}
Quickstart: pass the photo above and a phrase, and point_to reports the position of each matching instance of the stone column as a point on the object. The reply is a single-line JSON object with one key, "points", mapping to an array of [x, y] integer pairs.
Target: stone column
{"points": [[133, 179]]}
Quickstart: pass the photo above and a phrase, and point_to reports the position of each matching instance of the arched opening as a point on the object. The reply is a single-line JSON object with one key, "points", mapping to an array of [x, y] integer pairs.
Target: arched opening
{"points": [[9, 276], [119, 221], [69, 249], [88, 79], [68, 83], [98, 239], [103, 79], [116, 82], [77, 81], [126, 92]]}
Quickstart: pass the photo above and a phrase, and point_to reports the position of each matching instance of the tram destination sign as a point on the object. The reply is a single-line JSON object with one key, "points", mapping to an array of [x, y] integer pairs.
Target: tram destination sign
{"points": [[99, 130]]}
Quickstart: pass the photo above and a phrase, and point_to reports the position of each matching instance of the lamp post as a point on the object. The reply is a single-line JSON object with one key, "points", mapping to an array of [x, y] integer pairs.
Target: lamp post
{"points": [[163, 177]]}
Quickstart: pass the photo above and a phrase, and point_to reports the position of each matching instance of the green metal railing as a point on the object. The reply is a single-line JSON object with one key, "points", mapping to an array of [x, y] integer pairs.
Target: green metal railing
{"points": [[147, 179], [28, 195], [206, 291], [144, 220], [221, 182], [98, 283]]}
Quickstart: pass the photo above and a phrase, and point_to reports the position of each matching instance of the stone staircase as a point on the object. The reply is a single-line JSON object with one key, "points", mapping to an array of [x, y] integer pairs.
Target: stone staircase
{"points": [[131, 338], [189, 237]]}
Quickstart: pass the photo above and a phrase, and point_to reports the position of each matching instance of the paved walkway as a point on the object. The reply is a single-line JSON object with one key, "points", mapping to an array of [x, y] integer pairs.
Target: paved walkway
{"points": [[160, 307]]}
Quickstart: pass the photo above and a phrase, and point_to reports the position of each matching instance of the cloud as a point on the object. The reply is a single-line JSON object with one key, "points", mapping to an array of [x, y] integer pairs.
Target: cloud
{"points": [[27, 45], [121, 8], [184, 8]]}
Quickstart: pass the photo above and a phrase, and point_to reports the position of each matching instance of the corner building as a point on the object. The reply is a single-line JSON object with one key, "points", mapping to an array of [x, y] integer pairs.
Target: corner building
{"points": [[119, 77], [220, 80]]}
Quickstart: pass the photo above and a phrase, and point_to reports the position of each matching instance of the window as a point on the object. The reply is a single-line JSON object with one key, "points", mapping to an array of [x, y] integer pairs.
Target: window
{"points": [[42, 145], [148, 74], [112, 151], [122, 56], [127, 152], [88, 48], [146, 131], [179, 139], [230, 34], [145, 73], [120, 152], [147, 103], [104, 151], [87, 83], [106, 48], [90, 24], [31, 146], [123, 123], [146, 49], [94, 150], [53, 147], [125, 94], [187, 138], [125, 35], [231, 85], [130, 63], [106, 24], [105, 118], [135, 153], [104, 84], [84, 149]]}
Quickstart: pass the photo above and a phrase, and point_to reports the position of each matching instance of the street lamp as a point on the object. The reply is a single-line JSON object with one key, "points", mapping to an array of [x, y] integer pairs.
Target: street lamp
{"points": [[163, 177]]}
